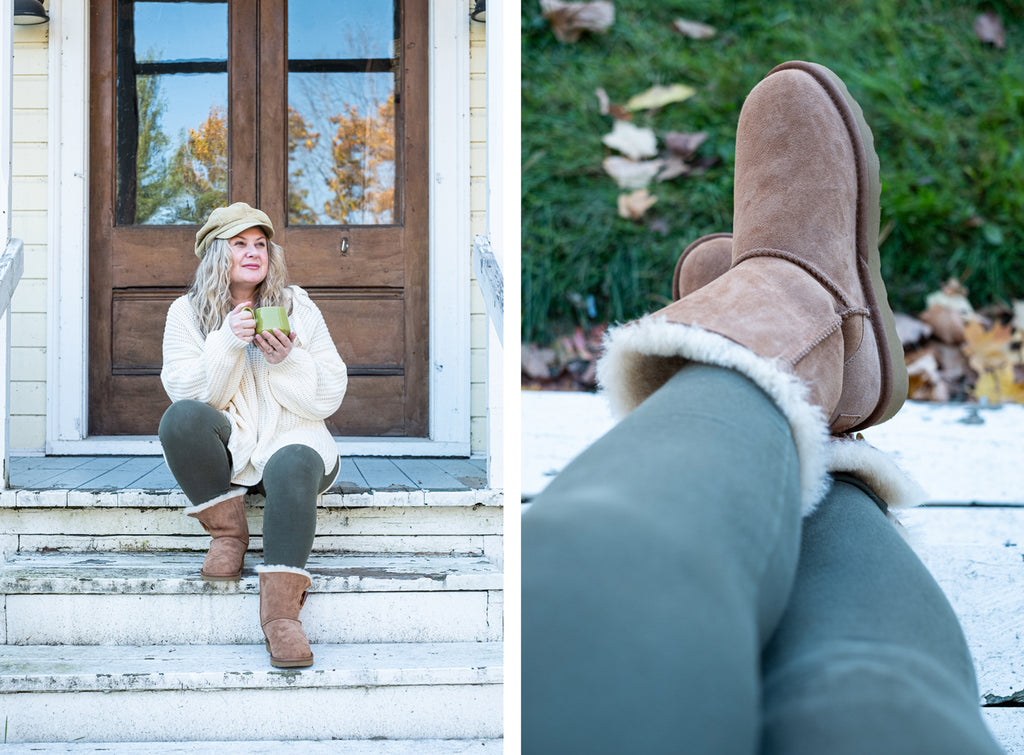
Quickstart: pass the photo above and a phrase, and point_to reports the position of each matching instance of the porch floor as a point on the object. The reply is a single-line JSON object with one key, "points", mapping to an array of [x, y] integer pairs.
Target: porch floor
{"points": [[357, 473]]}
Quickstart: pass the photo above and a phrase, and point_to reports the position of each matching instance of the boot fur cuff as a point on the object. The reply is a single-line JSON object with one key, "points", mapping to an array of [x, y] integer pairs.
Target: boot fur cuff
{"points": [[860, 459], [639, 358], [233, 493], [282, 568]]}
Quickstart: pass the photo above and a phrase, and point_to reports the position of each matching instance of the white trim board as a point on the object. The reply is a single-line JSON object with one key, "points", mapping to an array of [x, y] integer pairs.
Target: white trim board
{"points": [[149, 445], [449, 244]]}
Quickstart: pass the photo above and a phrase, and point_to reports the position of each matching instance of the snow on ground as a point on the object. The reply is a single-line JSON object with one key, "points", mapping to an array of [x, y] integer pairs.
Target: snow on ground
{"points": [[959, 453]]}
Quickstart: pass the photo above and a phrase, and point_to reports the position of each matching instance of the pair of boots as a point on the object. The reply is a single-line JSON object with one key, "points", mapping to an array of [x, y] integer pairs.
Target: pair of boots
{"points": [[794, 298], [283, 589]]}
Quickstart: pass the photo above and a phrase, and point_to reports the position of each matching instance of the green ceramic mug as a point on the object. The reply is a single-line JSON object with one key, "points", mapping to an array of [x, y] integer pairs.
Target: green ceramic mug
{"points": [[268, 318]]}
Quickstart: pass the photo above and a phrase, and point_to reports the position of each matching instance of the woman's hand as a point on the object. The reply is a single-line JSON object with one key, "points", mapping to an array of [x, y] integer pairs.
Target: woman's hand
{"points": [[275, 345], [242, 323]]}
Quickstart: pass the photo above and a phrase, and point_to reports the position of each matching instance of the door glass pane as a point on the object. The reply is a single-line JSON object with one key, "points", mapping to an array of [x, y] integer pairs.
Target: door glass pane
{"points": [[172, 117], [342, 59]]}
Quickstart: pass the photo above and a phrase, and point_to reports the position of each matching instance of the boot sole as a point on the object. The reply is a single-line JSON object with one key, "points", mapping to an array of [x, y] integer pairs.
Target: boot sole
{"points": [[221, 578], [277, 663], [890, 350]]}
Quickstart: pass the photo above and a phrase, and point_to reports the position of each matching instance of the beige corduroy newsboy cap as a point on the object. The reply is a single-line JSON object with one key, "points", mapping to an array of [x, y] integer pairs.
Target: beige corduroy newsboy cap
{"points": [[228, 222]]}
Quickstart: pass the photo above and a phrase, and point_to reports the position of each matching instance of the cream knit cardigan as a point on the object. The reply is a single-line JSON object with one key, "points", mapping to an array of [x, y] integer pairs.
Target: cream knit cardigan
{"points": [[269, 406]]}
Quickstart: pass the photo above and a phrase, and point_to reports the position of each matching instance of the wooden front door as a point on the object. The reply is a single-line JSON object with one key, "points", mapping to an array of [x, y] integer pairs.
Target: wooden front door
{"points": [[315, 111]]}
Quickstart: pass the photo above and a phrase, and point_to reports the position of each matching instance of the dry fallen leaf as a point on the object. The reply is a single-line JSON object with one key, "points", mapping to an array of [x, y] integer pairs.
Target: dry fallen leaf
{"points": [[607, 107], [1018, 314], [632, 141], [910, 329], [632, 206], [536, 361], [952, 294], [989, 28], [988, 350], [674, 167], [570, 20], [630, 174], [685, 145], [945, 322], [659, 96], [999, 386], [925, 382], [693, 29]]}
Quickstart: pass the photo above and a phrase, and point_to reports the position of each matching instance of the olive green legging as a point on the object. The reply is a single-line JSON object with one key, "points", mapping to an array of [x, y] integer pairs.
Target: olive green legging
{"points": [[674, 601], [195, 441]]}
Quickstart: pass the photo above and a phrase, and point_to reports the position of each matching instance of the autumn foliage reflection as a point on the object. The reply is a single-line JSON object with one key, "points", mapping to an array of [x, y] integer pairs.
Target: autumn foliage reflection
{"points": [[348, 181]]}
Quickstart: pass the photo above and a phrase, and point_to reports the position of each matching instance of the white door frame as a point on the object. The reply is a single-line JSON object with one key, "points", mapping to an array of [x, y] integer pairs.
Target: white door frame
{"points": [[449, 245]]}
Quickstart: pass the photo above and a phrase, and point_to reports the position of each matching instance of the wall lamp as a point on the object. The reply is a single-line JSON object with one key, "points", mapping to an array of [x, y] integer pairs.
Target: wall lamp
{"points": [[29, 13]]}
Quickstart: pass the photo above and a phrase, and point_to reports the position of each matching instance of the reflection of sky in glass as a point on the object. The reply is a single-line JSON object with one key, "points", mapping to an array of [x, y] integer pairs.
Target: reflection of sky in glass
{"points": [[182, 31], [318, 96], [341, 29], [344, 29]]}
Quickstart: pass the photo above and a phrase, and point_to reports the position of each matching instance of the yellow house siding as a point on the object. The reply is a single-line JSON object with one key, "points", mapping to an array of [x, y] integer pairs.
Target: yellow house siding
{"points": [[29, 223], [479, 326]]}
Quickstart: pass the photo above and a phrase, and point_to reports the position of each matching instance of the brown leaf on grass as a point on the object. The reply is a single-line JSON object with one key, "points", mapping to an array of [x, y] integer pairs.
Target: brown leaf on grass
{"points": [[998, 386], [659, 96], [632, 141], [631, 174], [632, 206], [607, 107], [989, 28], [569, 20], [683, 144], [988, 350], [945, 322], [674, 167], [693, 29]]}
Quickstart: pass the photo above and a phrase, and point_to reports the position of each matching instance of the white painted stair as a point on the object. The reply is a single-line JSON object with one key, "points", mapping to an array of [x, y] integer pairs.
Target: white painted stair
{"points": [[112, 642]]}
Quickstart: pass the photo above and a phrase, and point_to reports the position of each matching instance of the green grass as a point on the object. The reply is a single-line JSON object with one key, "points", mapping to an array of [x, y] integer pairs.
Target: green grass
{"points": [[946, 112]]}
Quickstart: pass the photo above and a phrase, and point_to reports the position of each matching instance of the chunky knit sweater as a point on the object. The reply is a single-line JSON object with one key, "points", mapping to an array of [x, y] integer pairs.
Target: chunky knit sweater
{"points": [[268, 405]]}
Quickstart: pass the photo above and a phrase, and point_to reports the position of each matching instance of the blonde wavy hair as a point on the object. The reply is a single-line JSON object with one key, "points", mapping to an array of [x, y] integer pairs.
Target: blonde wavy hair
{"points": [[210, 295]]}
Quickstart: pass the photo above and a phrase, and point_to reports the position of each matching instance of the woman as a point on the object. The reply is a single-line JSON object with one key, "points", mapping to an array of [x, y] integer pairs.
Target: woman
{"points": [[248, 414], [717, 573]]}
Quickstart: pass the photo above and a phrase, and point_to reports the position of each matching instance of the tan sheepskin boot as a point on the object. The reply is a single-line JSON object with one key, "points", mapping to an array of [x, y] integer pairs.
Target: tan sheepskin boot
{"points": [[701, 262], [708, 258], [224, 518], [283, 591], [802, 309]]}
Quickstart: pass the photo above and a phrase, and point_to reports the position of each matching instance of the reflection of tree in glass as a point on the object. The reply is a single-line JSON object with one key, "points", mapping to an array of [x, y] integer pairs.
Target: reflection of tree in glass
{"points": [[201, 164], [300, 134], [154, 190], [363, 158]]}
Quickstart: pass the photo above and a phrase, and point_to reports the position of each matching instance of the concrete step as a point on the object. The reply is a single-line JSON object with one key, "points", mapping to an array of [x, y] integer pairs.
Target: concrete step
{"points": [[295, 747], [159, 598], [207, 692], [378, 521], [1007, 726], [975, 554]]}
